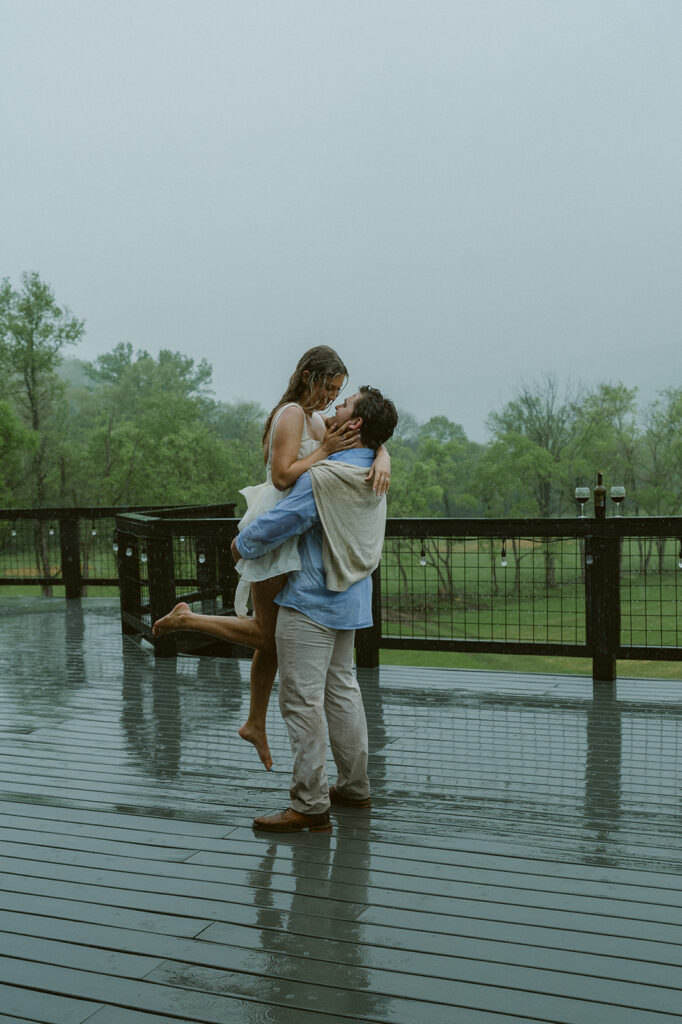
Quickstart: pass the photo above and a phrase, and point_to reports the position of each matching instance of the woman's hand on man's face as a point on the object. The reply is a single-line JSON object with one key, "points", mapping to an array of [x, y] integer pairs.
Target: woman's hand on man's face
{"points": [[338, 438]]}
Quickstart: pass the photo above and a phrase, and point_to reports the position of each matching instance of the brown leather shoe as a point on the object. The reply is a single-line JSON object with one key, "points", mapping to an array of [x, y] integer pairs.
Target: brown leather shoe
{"points": [[293, 821], [348, 801]]}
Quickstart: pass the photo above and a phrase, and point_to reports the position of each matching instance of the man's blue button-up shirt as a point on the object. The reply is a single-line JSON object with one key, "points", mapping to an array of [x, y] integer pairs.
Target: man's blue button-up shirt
{"points": [[306, 590]]}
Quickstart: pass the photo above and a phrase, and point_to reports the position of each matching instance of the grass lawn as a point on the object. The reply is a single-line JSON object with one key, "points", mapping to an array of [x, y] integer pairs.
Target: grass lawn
{"points": [[529, 663]]}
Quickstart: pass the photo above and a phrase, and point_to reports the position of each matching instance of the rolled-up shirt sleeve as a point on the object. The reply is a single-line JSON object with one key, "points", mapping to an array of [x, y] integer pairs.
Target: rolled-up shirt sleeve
{"points": [[290, 517]]}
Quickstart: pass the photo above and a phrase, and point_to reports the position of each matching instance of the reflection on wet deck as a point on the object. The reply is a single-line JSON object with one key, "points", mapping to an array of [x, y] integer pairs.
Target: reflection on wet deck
{"points": [[521, 860]]}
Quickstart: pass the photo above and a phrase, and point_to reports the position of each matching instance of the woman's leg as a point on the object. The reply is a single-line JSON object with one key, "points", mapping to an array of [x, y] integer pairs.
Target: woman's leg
{"points": [[263, 666], [257, 632]]}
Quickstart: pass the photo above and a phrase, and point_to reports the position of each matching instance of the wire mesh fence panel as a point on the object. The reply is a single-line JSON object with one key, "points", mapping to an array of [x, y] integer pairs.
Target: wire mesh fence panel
{"points": [[29, 550], [185, 561], [521, 589], [651, 592], [165, 557], [98, 561], [16, 550], [196, 571]]}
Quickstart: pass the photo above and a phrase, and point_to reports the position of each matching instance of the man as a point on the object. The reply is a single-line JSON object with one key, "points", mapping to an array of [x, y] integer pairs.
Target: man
{"points": [[340, 521]]}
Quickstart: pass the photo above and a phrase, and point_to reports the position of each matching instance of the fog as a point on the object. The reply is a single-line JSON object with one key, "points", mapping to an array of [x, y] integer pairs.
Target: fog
{"points": [[455, 195]]}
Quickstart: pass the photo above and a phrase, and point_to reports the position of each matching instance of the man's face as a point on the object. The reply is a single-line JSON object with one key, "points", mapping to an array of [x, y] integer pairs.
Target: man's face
{"points": [[345, 409]]}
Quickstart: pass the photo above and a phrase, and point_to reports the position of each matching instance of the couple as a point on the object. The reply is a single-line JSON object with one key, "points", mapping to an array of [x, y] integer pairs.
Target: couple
{"points": [[327, 533]]}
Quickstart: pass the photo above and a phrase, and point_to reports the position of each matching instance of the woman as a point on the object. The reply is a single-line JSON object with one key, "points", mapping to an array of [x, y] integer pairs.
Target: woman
{"points": [[295, 438]]}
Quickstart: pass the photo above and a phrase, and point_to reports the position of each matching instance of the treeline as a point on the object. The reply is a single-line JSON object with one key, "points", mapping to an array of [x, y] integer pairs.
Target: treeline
{"points": [[129, 428], [544, 443]]}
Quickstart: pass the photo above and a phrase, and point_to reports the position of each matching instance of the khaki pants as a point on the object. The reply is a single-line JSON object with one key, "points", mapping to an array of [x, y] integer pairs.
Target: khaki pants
{"points": [[316, 681]]}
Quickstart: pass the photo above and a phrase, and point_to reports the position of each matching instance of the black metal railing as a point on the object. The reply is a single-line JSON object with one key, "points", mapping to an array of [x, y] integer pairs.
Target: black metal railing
{"points": [[171, 555], [603, 589], [69, 547]]}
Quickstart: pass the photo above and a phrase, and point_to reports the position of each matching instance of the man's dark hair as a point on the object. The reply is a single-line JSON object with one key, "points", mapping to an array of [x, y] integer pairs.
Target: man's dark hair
{"points": [[379, 416]]}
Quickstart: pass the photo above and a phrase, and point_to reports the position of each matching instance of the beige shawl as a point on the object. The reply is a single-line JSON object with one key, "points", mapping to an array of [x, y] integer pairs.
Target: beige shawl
{"points": [[353, 522]]}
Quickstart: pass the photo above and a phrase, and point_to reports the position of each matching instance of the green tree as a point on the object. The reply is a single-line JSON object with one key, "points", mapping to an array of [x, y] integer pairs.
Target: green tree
{"points": [[431, 472], [661, 490], [608, 423], [505, 480], [132, 429], [544, 429], [239, 426], [147, 430], [431, 478], [34, 330], [550, 425], [15, 441]]}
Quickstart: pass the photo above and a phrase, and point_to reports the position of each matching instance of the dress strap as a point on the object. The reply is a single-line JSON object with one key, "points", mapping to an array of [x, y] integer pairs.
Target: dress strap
{"points": [[274, 423]]}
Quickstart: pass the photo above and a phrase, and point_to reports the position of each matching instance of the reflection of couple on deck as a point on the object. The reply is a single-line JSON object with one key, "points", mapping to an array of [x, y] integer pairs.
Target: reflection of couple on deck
{"points": [[310, 538]]}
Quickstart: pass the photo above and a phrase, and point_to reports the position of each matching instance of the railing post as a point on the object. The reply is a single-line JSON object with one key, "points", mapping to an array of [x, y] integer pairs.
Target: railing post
{"points": [[368, 641], [69, 543], [129, 581], [602, 604], [228, 577], [161, 578]]}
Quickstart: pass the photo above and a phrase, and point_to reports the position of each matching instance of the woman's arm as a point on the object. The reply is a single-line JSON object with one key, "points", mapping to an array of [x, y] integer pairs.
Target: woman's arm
{"points": [[285, 465], [380, 471]]}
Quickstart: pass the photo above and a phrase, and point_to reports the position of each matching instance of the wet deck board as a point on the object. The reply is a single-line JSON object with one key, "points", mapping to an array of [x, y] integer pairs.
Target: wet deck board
{"points": [[521, 860]]}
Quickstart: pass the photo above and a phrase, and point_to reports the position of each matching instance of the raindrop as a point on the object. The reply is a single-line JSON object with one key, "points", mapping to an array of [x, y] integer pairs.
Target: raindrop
{"points": [[115, 546], [202, 557], [129, 552], [94, 533], [14, 533], [589, 559], [51, 531], [143, 556], [504, 563], [182, 540]]}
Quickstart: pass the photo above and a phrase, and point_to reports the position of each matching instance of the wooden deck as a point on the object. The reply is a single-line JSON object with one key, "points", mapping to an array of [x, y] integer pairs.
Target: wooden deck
{"points": [[521, 860]]}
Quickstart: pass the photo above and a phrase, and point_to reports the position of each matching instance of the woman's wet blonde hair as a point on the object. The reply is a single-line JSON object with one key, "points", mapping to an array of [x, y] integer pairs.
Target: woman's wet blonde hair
{"points": [[322, 364]]}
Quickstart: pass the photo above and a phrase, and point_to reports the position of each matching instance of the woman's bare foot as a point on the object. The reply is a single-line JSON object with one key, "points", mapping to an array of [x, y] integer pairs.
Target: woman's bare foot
{"points": [[252, 734], [177, 619]]}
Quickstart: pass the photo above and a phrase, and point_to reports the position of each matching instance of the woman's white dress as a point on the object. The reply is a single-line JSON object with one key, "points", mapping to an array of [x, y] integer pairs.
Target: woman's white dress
{"points": [[259, 499]]}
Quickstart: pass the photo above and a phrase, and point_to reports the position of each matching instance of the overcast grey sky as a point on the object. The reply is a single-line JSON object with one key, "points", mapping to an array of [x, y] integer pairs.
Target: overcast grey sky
{"points": [[456, 194]]}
